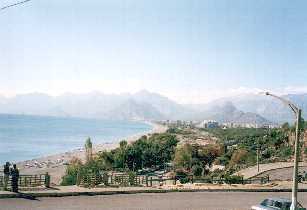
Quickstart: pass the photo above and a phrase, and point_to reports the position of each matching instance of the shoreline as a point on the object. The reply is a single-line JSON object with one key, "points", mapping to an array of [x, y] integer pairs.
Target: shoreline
{"points": [[56, 164]]}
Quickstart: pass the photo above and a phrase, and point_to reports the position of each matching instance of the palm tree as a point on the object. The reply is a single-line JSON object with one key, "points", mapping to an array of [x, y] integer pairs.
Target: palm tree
{"points": [[88, 149]]}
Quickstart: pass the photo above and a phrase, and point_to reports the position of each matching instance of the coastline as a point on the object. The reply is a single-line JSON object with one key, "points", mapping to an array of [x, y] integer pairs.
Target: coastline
{"points": [[56, 164]]}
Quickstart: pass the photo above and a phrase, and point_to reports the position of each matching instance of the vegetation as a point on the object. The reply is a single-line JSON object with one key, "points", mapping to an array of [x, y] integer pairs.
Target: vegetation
{"points": [[236, 148], [72, 172], [196, 158], [241, 145], [153, 152]]}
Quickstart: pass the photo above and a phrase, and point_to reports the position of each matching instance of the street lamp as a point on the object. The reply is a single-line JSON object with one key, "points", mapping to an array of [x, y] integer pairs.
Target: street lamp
{"points": [[13, 5], [258, 169], [297, 111]]}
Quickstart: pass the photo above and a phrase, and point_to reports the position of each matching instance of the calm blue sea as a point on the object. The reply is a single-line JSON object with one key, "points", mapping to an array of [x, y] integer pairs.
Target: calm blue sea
{"points": [[27, 137]]}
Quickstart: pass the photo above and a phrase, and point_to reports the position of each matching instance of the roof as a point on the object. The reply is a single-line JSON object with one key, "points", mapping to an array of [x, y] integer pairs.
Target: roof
{"points": [[280, 199]]}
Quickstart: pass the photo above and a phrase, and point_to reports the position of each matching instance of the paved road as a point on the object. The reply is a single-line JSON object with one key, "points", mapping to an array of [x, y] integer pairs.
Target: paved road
{"points": [[161, 201]]}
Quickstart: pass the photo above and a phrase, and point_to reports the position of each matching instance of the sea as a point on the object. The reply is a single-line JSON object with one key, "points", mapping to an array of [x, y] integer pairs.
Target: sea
{"points": [[24, 137]]}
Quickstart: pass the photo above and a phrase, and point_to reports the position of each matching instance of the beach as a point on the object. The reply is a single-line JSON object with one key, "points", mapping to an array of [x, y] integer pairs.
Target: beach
{"points": [[55, 165]]}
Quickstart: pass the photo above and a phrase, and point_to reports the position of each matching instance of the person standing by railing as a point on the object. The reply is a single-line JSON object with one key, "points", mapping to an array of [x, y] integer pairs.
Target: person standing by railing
{"points": [[6, 175], [15, 177]]}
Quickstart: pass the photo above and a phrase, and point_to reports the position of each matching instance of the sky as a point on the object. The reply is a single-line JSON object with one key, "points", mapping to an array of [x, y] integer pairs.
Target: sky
{"points": [[192, 51]]}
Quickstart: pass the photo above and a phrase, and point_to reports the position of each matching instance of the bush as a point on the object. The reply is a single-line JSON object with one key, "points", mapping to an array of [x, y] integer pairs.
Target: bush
{"points": [[285, 152], [197, 170], [239, 157], [233, 179], [68, 180], [183, 157], [72, 170], [182, 176], [267, 153], [132, 176]]}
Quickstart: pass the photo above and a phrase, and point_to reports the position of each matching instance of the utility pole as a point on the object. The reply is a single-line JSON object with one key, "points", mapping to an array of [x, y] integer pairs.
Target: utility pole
{"points": [[298, 113], [258, 157], [296, 158]]}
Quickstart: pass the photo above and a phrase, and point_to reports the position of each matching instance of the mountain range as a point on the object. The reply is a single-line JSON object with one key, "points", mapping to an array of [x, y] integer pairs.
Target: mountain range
{"points": [[145, 105]]}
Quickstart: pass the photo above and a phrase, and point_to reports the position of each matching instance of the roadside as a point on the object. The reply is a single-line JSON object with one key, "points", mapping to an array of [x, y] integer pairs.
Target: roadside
{"points": [[150, 201], [62, 191]]}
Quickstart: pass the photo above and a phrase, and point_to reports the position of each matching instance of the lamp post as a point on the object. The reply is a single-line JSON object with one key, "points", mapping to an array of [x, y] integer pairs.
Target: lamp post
{"points": [[258, 158], [297, 111]]}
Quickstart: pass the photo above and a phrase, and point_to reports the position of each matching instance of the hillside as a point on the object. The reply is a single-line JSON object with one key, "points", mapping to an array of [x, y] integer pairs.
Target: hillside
{"points": [[227, 113], [145, 105], [267, 107]]}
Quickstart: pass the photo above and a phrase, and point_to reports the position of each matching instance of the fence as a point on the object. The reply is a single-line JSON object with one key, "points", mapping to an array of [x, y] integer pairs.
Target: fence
{"points": [[29, 180], [124, 180], [161, 181], [91, 180]]}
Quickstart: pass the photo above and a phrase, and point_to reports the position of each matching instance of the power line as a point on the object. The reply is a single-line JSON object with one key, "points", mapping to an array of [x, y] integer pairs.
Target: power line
{"points": [[12, 5]]}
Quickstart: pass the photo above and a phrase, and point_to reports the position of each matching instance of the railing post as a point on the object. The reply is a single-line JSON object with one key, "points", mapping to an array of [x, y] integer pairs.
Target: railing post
{"points": [[78, 179], [47, 180]]}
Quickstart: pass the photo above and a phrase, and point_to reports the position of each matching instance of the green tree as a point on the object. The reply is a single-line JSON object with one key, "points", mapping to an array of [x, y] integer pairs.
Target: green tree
{"points": [[238, 157], [183, 157], [197, 170], [71, 174], [285, 127], [88, 149]]}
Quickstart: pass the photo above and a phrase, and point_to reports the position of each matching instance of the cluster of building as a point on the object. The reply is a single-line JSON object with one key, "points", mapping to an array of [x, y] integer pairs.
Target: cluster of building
{"points": [[214, 124], [179, 123]]}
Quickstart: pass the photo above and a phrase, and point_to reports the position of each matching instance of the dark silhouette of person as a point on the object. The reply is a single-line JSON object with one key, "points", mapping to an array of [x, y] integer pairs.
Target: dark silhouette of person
{"points": [[6, 172], [15, 177]]}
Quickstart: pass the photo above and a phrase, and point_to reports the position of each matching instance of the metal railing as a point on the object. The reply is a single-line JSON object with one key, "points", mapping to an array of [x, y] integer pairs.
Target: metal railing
{"points": [[125, 180], [29, 180]]}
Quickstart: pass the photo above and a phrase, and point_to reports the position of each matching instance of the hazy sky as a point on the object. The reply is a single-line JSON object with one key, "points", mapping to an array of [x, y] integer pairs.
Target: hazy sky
{"points": [[191, 51]]}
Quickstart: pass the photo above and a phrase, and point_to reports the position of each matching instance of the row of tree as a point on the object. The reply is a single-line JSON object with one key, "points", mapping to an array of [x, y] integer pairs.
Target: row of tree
{"points": [[147, 152], [237, 148], [152, 152]]}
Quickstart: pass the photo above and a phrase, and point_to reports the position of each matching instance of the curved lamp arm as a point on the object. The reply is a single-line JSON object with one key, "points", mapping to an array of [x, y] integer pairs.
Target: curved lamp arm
{"points": [[293, 107]]}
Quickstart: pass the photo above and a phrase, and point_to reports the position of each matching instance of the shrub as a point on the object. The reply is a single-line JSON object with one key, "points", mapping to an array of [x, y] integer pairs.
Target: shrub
{"points": [[72, 170], [267, 153], [285, 152], [182, 176], [68, 180], [183, 157], [239, 156], [233, 179], [132, 176], [197, 170]]}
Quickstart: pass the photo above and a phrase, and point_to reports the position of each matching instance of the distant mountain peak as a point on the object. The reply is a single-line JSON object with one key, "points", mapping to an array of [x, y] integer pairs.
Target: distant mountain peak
{"points": [[227, 106], [149, 105]]}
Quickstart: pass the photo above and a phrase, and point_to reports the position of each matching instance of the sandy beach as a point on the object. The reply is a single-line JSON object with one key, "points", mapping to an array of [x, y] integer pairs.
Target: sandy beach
{"points": [[56, 164]]}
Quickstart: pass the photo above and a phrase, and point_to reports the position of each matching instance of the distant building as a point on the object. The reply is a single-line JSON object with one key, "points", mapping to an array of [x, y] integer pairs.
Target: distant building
{"points": [[209, 124], [247, 125]]}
